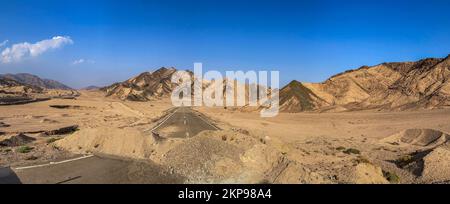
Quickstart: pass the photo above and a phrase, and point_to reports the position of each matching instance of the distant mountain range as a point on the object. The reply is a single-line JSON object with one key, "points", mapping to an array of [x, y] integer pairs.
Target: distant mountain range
{"points": [[388, 86], [34, 80]]}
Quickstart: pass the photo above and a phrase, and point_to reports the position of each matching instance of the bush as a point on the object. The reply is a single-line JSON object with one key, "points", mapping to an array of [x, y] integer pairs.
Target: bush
{"points": [[51, 140], [391, 177], [24, 149], [404, 160]]}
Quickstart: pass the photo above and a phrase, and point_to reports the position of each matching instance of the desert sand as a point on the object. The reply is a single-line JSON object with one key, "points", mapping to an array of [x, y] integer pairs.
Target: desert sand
{"points": [[339, 145]]}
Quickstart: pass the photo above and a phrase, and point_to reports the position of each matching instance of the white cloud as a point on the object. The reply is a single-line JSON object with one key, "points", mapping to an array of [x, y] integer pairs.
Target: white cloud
{"points": [[81, 61], [4, 43], [19, 51]]}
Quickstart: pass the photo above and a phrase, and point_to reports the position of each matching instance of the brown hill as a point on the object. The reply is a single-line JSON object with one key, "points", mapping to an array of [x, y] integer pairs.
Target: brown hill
{"points": [[9, 86], [389, 86], [144, 87], [295, 97], [14, 92]]}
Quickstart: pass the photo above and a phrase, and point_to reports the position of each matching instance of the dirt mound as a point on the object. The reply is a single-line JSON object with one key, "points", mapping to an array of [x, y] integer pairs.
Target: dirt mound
{"points": [[429, 166], [365, 173], [436, 165], [17, 140], [417, 137], [233, 157], [205, 160], [126, 142]]}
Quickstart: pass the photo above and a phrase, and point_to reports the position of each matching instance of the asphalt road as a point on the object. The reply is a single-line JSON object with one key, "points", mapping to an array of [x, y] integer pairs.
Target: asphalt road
{"points": [[186, 123], [92, 170]]}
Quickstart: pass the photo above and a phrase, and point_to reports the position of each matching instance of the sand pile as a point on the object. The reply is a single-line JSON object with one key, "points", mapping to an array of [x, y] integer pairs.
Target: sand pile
{"points": [[428, 166], [364, 173], [436, 165], [233, 157], [126, 142], [204, 159], [417, 137]]}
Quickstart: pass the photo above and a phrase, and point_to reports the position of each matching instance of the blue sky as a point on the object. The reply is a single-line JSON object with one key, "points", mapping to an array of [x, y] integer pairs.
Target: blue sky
{"points": [[305, 40]]}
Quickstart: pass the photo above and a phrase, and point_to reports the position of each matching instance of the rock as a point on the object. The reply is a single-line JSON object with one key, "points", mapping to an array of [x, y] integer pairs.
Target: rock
{"points": [[17, 140], [63, 130]]}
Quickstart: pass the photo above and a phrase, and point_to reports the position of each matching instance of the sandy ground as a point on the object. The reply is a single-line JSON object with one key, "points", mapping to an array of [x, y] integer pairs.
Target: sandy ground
{"points": [[321, 141], [292, 127]]}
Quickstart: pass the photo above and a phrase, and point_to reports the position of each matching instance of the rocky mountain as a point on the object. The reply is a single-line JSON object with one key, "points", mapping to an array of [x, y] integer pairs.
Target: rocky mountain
{"points": [[144, 87], [295, 97], [389, 86], [34, 80]]}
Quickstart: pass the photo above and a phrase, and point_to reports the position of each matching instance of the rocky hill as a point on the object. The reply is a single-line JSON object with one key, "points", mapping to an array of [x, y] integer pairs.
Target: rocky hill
{"points": [[389, 86], [144, 87], [295, 97], [36, 81]]}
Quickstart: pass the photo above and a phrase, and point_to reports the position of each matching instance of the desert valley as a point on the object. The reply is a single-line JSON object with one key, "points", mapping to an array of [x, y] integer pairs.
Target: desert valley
{"points": [[381, 124]]}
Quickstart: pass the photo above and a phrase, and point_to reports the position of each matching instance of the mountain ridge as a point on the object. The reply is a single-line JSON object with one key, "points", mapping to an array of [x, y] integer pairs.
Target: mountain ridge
{"points": [[143, 87], [422, 84], [34, 80]]}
